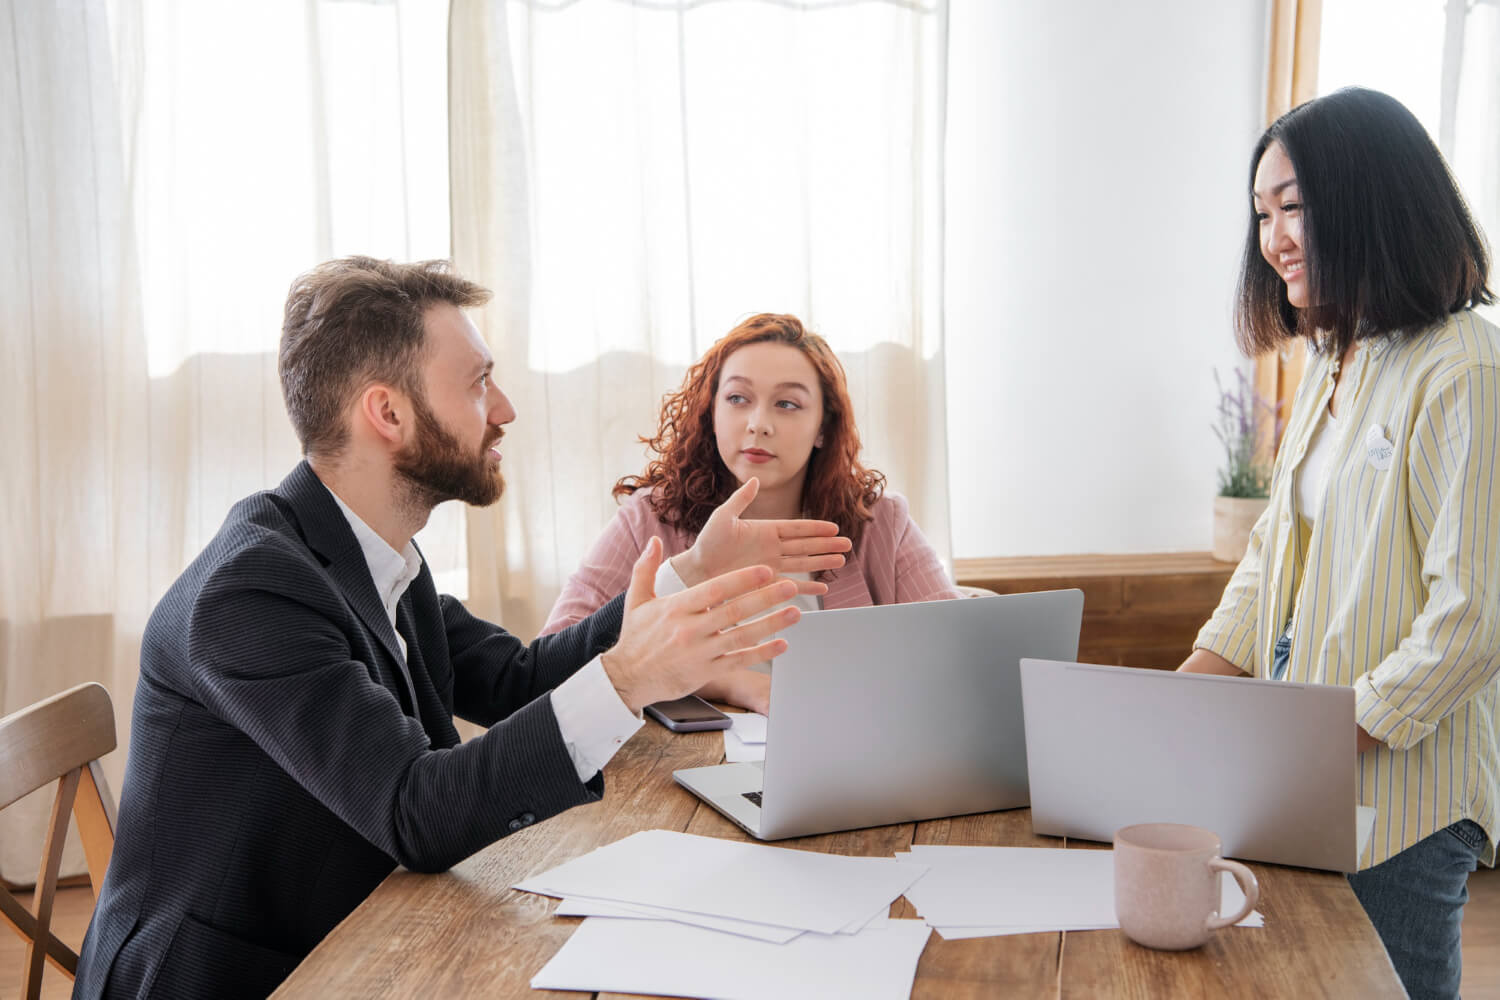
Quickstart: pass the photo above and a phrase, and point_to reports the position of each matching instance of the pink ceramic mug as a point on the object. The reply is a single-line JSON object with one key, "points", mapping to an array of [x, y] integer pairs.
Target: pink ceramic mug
{"points": [[1167, 889]]}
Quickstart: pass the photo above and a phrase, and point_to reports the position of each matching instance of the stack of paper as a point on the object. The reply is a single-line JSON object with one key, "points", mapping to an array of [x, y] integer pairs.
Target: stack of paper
{"points": [[686, 915], [983, 891], [745, 739]]}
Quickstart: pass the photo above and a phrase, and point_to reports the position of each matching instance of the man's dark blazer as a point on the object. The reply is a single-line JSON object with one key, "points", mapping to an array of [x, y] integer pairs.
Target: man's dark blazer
{"points": [[278, 769]]}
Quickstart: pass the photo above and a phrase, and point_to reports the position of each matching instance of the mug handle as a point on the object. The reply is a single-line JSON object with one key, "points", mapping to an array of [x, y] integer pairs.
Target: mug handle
{"points": [[1248, 885]]}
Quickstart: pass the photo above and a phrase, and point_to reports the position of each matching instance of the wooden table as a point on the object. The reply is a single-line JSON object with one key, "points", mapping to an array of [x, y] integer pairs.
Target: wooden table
{"points": [[467, 933]]}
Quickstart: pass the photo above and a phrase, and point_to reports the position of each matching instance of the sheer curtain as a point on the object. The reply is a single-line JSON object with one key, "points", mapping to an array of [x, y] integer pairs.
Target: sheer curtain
{"points": [[169, 167], [1447, 73], [634, 179], [1469, 129], [1292, 49], [74, 535]]}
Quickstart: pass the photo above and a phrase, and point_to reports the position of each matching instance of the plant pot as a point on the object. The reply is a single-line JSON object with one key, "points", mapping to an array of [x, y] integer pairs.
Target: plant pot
{"points": [[1233, 519]]}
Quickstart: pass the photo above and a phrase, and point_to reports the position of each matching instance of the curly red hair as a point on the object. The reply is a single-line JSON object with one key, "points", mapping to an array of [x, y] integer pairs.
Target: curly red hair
{"points": [[687, 477]]}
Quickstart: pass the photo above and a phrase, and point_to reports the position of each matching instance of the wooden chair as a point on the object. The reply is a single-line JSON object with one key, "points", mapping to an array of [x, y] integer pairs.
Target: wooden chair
{"points": [[59, 739]]}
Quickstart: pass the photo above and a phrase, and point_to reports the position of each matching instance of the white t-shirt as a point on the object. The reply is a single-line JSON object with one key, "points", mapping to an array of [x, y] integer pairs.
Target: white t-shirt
{"points": [[1312, 473]]}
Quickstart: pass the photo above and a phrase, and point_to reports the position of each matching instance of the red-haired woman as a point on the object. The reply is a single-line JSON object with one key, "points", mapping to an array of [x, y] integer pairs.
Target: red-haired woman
{"points": [[769, 401]]}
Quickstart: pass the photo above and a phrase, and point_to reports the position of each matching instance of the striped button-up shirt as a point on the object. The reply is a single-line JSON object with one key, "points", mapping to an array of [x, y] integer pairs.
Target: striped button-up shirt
{"points": [[1398, 594]]}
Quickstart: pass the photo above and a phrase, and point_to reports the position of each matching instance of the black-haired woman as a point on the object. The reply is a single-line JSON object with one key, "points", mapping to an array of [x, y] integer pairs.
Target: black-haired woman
{"points": [[1377, 562]]}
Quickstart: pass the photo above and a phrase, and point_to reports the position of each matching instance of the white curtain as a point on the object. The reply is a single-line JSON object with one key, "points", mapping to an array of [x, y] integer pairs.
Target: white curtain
{"points": [[634, 179], [1441, 58], [74, 532], [1470, 131], [167, 168]]}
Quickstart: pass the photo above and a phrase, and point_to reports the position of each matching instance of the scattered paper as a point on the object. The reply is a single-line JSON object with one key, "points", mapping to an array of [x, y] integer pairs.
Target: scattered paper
{"points": [[737, 751], [750, 727], [664, 958], [1026, 886], [578, 906], [581, 906], [982, 891], [964, 933], [804, 890], [858, 924]]}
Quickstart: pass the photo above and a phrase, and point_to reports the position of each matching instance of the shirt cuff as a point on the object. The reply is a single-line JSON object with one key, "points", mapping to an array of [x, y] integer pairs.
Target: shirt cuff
{"points": [[1385, 721], [594, 722], [667, 580]]}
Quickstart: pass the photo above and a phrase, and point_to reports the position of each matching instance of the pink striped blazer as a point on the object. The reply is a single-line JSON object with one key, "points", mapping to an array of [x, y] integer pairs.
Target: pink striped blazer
{"points": [[892, 564]]}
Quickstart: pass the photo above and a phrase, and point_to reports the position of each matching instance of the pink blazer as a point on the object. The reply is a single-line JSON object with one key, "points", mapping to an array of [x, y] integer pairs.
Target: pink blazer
{"points": [[892, 564]]}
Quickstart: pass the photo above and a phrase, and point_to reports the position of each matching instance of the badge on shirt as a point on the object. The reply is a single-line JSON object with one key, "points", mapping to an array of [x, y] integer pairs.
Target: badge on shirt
{"points": [[1378, 448]]}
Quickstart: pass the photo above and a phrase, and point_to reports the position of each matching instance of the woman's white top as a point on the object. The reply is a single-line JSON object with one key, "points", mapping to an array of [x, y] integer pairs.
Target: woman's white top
{"points": [[1312, 472]]}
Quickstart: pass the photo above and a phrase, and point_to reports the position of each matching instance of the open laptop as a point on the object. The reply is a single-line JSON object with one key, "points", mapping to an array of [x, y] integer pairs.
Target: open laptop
{"points": [[1269, 766], [894, 713]]}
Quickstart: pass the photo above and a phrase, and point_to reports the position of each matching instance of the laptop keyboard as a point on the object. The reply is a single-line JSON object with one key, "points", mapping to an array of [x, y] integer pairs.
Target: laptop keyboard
{"points": [[753, 797]]}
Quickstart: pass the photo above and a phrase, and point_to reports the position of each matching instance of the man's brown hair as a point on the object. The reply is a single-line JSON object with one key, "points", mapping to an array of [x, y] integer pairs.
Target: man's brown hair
{"points": [[352, 322]]}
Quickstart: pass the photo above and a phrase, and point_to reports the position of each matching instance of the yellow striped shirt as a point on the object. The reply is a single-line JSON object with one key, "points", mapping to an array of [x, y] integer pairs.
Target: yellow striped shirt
{"points": [[1400, 578]]}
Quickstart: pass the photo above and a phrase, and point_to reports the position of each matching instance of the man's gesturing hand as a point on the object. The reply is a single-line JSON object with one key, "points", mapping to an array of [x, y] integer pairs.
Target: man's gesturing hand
{"points": [[729, 542], [672, 646]]}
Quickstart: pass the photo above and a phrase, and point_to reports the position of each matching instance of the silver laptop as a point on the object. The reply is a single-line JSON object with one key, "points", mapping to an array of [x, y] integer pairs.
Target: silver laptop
{"points": [[1267, 765], [895, 713]]}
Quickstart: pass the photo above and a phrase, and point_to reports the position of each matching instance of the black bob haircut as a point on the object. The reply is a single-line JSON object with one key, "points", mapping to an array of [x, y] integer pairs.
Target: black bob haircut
{"points": [[1388, 240]]}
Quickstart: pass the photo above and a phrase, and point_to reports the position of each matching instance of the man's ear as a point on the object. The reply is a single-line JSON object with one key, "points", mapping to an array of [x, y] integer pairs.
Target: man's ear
{"points": [[384, 412]]}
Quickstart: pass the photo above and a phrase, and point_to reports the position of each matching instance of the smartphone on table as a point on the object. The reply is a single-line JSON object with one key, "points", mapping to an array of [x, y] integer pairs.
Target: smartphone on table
{"points": [[688, 715]]}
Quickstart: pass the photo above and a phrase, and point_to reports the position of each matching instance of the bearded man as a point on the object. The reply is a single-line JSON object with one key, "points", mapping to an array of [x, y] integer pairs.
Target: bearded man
{"points": [[293, 739]]}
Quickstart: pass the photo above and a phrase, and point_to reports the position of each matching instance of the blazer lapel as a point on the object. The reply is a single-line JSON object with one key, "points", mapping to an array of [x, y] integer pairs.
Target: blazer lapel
{"points": [[432, 712], [328, 534], [848, 589]]}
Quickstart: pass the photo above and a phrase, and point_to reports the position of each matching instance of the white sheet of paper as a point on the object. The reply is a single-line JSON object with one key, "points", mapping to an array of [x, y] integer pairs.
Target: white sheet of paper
{"points": [[860, 923], [750, 727], [579, 906], [805, 890], [1027, 889], [1364, 828], [1024, 886], [1233, 899], [737, 751], [664, 958], [964, 933]]}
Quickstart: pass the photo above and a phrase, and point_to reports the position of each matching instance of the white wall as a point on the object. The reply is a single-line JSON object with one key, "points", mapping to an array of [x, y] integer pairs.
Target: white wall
{"points": [[1097, 163]]}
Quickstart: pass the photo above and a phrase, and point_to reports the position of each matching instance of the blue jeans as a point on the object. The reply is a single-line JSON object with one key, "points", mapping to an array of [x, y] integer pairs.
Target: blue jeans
{"points": [[1280, 657], [1416, 898], [1416, 902]]}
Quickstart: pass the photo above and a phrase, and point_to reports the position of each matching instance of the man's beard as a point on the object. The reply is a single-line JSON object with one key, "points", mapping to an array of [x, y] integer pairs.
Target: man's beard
{"points": [[436, 468]]}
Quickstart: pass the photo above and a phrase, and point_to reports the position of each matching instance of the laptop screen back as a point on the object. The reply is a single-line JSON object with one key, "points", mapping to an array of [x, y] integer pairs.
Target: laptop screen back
{"points": [[1267, 765], [903, 712]]}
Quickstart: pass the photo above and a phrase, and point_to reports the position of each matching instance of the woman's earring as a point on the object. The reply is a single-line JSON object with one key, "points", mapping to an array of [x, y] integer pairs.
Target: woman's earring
{"points": [[819, 442]]}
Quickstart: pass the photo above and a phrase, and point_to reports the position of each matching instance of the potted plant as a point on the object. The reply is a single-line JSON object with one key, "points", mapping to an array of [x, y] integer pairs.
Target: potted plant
{"points": [[1245, 425]]}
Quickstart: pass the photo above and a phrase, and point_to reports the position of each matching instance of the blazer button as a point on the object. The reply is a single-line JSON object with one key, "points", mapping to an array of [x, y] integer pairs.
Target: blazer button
{"points": [[527, 819], [515, 825]]}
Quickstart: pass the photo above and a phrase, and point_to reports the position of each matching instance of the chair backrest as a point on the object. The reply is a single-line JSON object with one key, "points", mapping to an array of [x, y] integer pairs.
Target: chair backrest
{"points": [[58, 740]]}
